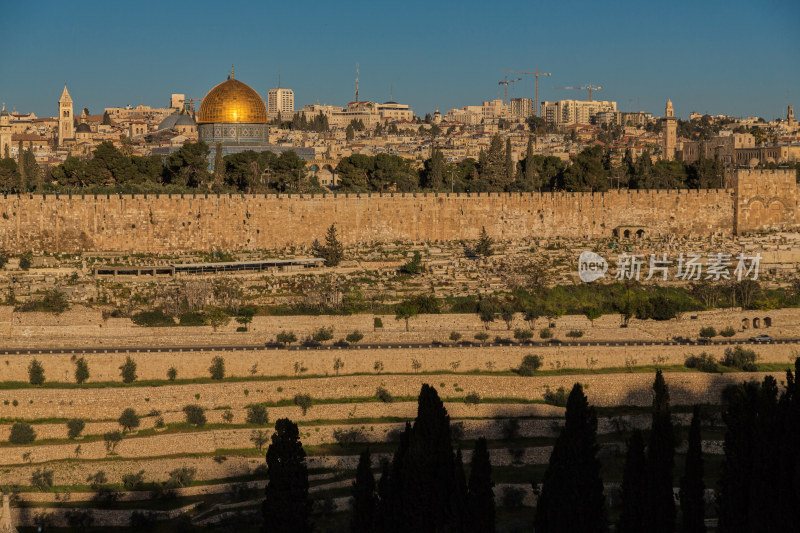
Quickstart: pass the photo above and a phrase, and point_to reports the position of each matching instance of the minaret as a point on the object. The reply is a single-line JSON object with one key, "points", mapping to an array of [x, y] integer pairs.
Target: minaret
{"points": [[5, 133], [6, 526], [790, 116], [66, 127], [670, 130]]}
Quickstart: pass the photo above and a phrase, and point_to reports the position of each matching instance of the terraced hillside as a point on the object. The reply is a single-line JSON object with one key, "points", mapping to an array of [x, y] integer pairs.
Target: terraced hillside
{"points": [[203, 467]]}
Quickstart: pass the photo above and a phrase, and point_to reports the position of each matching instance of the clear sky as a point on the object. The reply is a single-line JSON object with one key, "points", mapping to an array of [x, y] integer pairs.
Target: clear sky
{"points": [[733, 56]]}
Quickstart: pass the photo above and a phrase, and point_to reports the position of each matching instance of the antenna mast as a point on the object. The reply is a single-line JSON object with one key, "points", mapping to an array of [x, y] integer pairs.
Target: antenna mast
{"points": [[356, 82]]}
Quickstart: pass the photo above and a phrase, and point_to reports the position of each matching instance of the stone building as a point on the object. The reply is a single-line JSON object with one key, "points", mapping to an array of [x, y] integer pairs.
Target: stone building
{"points": [[5, 133], [670, 132], [66, 125]]}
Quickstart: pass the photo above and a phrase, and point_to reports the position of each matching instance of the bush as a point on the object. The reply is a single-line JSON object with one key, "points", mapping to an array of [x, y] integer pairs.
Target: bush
{"points": [[473, 398], [153, 319], [377, 322], [25, 261], [129, 420], [180, 477], [558, 398], [354, 337], [414, 266], [482, 336], [575, 334], [384, 395], [727, 332], [455, 336], [81, 370], [52, 301], [22, 433], [195, 415], [511, 429], [172, 373], [259, 438], [227, 416], [241, 329], [322, 334], [128, 370], [545, 333], [708, 332], [42, 479], [523, 334], [703, 362], [35, 372], [217, 368], [111, 439], [133, 481], [286, 337], [347, 437], [303, 401], [97, 479], [192, 318], [257, 414], [530, 364], [75, 428], [741, 358]]}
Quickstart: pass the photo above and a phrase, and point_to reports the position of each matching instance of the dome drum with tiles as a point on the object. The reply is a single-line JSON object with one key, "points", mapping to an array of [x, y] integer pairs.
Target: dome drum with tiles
{"points": [[232, 112]]}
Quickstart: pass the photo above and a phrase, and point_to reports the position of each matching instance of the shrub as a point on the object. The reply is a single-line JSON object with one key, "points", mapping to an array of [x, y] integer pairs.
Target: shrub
{"points": [[338, 364], [25, 261], [708, 332], [322, 334], [511, 429], [523, 334], [259, 438], [128, 370], [303, 401], [241, 329], [97, 479], [217, 368], [81, 370], [575, 334], [75, 428], [35, 372], [741, 358], [557, 398], [378, 366], [257, 414], [227, 416], [153, 319], [545, 333], [473, 398], [111, 439], [195, 415], [192, 318], [42, 479], [384, 395], [455, 336], [482, 336], [180, 477], [377, 322], [354, 337], [172, 373], [52, 301], [22, 433], [530, 364], [703, 362], [414, 266], [727, 332], [129, 420], [286, 337], [133, 481]]}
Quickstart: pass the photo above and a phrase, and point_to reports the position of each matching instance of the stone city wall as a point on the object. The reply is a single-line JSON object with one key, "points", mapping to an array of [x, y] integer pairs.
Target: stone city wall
{"points": [[172, 223]]}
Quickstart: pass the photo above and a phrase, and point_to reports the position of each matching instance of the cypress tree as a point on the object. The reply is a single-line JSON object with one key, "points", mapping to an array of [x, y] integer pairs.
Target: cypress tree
{"points": [[394, 500], [459, 512], [692, 486], [572, 492], [764, 505], [634, 487], [383, 510], [530, 172], [363, 519], [219, 167], [480, 493], [287, 508], [660, 515], [509, 165]]}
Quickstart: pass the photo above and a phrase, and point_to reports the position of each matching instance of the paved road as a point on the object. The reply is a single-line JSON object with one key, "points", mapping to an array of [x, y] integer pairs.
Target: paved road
{"points": [[388, 346]]}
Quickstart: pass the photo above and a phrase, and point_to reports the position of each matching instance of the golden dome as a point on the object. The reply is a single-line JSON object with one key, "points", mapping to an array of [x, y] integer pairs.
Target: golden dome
{"points": [[232, 102]]}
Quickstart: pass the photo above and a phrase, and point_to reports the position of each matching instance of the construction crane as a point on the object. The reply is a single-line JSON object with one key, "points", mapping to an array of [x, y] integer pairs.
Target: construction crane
{"points": [[588, 86], [536, 74], [505, 82]]}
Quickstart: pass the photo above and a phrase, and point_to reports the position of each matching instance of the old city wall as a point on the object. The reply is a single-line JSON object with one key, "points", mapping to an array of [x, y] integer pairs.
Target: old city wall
{"points": [[173, 223], [766, 200]]}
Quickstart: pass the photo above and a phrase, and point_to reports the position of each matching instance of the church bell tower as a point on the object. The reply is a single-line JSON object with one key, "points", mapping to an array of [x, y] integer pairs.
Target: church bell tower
{"points": [[5, 133], [66, 125], [670, 132]]}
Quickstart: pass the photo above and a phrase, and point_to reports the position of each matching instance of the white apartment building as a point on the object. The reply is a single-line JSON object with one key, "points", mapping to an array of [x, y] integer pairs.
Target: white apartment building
{"points": [[281, 101], [521, 107], [574, 111]]}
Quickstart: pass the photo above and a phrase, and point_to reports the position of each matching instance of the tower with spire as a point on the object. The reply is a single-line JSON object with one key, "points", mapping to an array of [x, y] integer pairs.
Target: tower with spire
{"points": [[670, 132], [66, 125], [5, 133]]}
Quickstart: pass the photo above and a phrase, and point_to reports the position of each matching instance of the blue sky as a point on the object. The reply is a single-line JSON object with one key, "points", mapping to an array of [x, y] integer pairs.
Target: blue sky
{"points": [[736, 57]]}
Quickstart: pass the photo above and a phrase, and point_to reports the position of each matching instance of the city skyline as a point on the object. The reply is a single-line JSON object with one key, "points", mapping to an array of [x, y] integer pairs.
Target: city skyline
{"points": [[430, 57]]}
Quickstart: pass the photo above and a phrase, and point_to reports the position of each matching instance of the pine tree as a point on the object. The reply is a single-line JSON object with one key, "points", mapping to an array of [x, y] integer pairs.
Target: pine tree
{"points": [[660, 513], [572, 492], [480, 494], [692, 486], [333, 251], [364, 502], [287, 508], [484, 245], [634, 487]]}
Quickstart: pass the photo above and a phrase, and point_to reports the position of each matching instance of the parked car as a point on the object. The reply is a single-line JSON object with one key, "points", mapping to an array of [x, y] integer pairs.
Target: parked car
{"points": [[761, 338]]}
